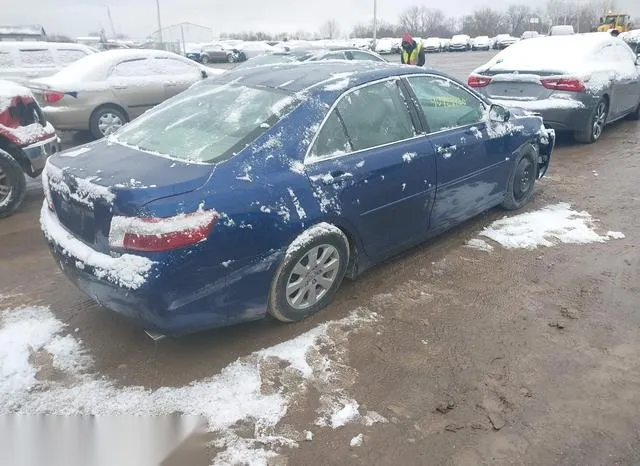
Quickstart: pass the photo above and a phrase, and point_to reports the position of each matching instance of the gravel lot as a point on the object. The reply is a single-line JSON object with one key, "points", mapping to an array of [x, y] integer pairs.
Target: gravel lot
{"points": [[446, 355]]}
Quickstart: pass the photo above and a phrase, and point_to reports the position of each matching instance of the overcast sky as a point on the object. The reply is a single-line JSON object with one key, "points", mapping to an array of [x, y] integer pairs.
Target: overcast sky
{"points": [[137, 18]]}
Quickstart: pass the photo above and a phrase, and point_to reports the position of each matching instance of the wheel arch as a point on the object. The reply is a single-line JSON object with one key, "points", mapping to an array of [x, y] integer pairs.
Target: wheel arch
{"points": [[15, 152]]}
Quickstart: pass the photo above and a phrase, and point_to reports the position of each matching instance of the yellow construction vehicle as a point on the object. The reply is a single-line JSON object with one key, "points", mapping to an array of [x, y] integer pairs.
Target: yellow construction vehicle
{"points": [[619, 21]]}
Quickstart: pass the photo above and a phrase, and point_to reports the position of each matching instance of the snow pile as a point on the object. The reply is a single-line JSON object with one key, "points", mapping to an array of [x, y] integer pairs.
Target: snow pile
{"points": [[356, 441], [480, 244], [258, 388], [127, 271], [548, 226]]}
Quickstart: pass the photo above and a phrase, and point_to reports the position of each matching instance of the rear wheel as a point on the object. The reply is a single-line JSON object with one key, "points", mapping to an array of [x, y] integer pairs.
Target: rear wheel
{"points": [[592, 132], [231, 58], [13, 185], [522, 181], [105, 120], [309, 277], [204, 59]]}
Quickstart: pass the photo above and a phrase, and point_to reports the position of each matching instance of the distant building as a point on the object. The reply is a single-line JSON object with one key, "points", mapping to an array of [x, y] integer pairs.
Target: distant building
{"points": [[175, 37], [23, 33]]}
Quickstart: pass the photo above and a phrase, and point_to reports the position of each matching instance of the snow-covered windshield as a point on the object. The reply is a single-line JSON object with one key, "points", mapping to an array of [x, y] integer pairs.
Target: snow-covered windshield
{"points": [[207, 122]]}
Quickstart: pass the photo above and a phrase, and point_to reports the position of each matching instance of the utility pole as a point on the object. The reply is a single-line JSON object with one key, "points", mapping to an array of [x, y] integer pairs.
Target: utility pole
{"points": [[578, 17], [375, 23], [184, 46], [159, 24], [113, 28]]}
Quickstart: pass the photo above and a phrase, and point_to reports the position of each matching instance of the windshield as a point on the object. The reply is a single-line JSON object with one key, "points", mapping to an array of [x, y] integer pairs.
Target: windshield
{"points": [[208, 122], [273, 59]]}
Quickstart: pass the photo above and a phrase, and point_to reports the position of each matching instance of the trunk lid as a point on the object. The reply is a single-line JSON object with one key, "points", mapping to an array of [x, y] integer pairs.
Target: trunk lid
{"points": [[517, 86], [90, 184]]}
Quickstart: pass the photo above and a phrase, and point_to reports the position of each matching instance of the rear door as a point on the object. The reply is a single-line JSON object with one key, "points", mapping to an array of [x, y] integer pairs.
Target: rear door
{"points": [[369, 167], [176, 74], [471, 159], [627, 79], [136, 85]]}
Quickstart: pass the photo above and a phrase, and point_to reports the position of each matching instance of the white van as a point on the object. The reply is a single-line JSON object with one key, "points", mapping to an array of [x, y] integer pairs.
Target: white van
{"points": [[23, 61]]}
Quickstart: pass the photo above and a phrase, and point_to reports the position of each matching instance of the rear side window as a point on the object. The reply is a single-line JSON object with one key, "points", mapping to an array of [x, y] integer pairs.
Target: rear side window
{"points": [[6, 60], [133, 68], [376, 115], [446, 104], [36, 57], [330, 56], [363, 56], [66, 56]]}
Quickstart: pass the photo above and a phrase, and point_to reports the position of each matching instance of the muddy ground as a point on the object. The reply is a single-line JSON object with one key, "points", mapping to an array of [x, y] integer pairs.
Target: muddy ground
{"points": [[509, 357]]}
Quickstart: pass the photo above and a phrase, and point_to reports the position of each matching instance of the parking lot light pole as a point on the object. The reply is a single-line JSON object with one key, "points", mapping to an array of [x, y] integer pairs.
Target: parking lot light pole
{"points": [[375, 23], [159, 23]]}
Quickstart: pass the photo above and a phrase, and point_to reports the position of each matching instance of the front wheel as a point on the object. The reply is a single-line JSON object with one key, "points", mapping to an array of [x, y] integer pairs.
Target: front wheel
{"points": [[204, 59], [522, 181], [595, 126], [231, 58], [310, 275], [13, 185]]}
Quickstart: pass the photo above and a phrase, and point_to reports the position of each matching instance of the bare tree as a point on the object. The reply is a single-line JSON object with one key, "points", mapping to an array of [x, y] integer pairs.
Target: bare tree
{"points": [[410, 20], [484, 21], [517, 18], [330, 29]]}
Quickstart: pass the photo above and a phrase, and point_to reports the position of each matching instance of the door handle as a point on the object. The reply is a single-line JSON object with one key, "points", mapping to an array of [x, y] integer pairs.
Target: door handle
{"points": [[337, 177]]}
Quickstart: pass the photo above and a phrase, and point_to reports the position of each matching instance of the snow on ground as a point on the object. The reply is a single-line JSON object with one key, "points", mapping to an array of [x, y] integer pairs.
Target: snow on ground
{"points": [[253, 389], [554, 224], [480, 244]]}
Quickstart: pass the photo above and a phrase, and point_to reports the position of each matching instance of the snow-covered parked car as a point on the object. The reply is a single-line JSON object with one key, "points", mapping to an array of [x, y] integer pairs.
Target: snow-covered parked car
{"points": [[259, 191], [578, 83], [384, 46], [102, 92], [432, 45], [460, 43], [502, 41], [481, 43], [26, 140], [252, 49]]}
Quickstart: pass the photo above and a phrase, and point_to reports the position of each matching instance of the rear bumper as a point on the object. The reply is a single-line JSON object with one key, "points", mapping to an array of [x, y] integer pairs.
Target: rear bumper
{"points": [[37, 153], [165, 298], [555, 113]]}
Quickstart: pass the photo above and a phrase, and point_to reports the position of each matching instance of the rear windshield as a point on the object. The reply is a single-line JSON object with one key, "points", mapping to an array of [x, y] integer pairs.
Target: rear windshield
{"points": [[208, 122]]}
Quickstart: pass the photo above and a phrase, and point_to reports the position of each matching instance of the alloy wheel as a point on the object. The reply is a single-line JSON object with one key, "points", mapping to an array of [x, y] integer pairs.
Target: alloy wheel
{"points": [[599, 120], [312, 277], [109, 122]]}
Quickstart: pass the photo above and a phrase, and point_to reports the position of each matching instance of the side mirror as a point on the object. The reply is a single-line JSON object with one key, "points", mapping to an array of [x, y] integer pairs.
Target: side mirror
{"points": [[499, 114], [204, 74]]}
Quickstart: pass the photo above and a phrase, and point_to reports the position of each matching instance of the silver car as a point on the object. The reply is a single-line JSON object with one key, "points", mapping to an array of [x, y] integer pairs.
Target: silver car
{"points": [[103, 91], [578, 83]]}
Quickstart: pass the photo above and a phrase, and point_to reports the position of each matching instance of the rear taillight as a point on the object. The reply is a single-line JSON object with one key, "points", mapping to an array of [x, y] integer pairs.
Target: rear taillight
{"points": [[51, 97], [149, 234], [478, 81], [6, 119], [563, 84]]}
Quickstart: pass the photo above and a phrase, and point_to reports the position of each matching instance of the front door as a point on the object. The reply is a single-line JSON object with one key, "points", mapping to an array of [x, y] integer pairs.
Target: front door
{"points": [[370, 167], [136, 85], [471, 157]]}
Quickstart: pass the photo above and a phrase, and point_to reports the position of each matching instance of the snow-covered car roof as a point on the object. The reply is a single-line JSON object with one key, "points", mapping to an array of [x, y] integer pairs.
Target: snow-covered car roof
{"points": [[95, 67], [548, 53]]}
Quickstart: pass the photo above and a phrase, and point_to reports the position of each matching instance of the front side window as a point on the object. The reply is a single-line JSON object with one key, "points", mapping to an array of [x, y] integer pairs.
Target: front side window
{"points": [[36, 57], [208, 122], [66, 56], [446, 104], [363, 56], [133, 68], [376, 115]]}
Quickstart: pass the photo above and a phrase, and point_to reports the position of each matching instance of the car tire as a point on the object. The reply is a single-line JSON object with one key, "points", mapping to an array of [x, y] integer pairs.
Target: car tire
{"points": [[283, 307], [204, 59], [103, 114], [591, 133], [522, 180], [231, 58], [13, 185]]}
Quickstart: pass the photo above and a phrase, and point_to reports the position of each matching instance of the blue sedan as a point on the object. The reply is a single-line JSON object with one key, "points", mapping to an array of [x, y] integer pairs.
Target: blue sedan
{"points": [[258, 191]]}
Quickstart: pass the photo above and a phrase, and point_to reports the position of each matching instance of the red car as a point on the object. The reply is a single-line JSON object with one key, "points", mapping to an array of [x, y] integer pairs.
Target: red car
{"points": [[26, 140]]}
